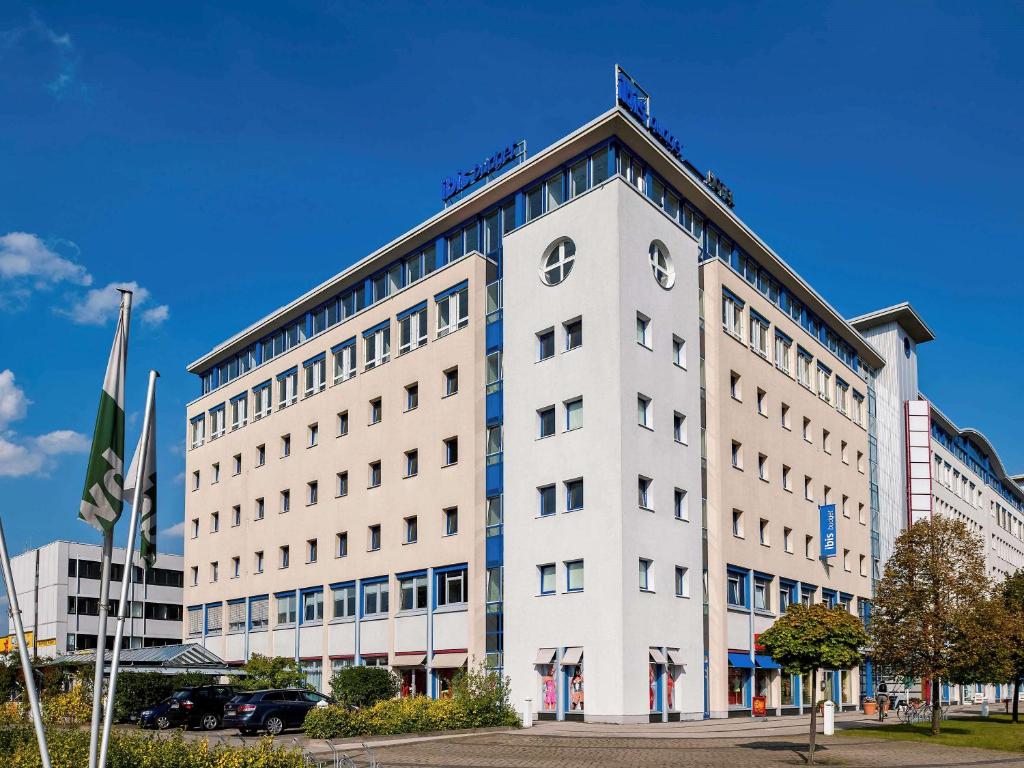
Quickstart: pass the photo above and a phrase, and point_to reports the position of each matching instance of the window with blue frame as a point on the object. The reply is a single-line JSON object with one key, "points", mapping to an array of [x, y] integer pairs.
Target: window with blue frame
{"points": [[736, 588], [451, 587], [375, 598]]}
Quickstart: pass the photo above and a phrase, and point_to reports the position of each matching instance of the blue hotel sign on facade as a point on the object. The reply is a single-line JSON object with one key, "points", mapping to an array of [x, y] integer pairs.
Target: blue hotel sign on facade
{"points": [[828, 529], [637, 102], [451, 186]]}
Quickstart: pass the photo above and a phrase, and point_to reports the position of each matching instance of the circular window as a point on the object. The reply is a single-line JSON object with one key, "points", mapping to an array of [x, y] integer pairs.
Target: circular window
{"points": [[558, 261], [661, 265]]}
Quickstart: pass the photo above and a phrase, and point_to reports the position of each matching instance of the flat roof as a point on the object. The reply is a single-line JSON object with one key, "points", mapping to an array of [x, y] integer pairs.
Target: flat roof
{"points": [[613, 123], [902, 313]]}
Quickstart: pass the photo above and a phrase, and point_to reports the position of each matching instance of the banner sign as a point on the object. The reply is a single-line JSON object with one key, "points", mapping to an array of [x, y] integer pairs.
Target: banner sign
{"points": [[637, 102], [482, 171], [828, 529]]}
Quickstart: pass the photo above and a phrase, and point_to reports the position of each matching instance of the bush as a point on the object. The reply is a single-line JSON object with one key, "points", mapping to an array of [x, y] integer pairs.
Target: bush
{"points": [[271, 672], [70, 749], [479, 700], [364, 686], [71, 708]]}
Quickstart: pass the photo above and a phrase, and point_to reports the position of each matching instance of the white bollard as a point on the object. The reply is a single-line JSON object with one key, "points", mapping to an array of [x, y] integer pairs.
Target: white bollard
{"points": [[984, 707], [829, 727], [527, 713]]}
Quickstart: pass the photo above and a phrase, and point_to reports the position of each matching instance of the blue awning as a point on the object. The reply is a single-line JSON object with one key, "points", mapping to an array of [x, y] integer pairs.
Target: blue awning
{"points": [[740, 660], [766, 662]]}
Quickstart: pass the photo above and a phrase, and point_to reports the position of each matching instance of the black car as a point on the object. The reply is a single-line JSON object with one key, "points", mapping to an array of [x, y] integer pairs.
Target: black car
{"points": [[271, 710], [198, 707]]}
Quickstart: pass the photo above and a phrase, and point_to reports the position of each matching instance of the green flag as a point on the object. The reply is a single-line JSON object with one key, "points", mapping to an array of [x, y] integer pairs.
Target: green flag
{"points": [[147, 512], [104, 479]]}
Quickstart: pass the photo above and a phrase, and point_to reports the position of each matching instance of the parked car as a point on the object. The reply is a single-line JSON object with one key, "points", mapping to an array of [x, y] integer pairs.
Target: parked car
{"points": [[198, 707], [271, 710]]}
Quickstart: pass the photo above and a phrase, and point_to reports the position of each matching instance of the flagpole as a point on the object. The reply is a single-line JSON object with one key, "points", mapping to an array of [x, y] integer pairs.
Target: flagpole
{"points": [[140, 476], [26, 664], [105, 559]]}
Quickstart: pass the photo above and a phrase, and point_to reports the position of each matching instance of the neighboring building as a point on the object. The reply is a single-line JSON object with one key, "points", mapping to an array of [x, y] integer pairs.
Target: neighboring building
{"points": [[930, 466], [58, 592], [489, 440]]}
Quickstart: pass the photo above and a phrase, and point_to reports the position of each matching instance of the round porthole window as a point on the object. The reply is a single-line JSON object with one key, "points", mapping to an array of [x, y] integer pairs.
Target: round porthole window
{"points": [[558, 261], [661, 265]]}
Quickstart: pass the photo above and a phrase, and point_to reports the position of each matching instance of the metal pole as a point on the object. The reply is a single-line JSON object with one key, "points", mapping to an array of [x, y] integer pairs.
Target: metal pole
{"points": [[35, 612], [108, 714], [101, 647], [26, 665]]}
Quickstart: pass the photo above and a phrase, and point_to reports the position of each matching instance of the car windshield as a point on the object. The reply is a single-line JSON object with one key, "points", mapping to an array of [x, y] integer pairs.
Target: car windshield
{"points": [[181, 695]]}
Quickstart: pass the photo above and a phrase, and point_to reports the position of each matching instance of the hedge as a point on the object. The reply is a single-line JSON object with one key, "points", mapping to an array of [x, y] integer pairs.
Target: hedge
{"points": [[410, 715], [138, 690], [70, 749]]}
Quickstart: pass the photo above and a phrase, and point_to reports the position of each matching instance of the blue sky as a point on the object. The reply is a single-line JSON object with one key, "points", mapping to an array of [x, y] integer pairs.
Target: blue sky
{"points": [[225, 158]]}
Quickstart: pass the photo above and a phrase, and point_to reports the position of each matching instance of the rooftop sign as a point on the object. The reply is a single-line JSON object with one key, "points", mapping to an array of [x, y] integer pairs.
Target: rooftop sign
{"points": [[637, 102], [485, 170]]}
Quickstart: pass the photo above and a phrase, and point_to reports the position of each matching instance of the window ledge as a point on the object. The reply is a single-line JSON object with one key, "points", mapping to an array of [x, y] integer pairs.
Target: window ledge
{"points": [[313, 623], [343, 620], [286, 625], [375, 617], [411, 612], [644, 426], [457, 608]]}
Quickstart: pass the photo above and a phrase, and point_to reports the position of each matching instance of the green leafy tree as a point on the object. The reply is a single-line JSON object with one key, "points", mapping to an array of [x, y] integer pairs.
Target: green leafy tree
{"points": [[271, 672], [927, 609], [364, 686], [1012, 594], [808, 638]]}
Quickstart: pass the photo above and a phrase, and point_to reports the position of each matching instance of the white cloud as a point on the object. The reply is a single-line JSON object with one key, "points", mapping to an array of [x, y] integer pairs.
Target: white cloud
{"points": [[175, 531], [156, 315], [13, 403], [65, 83], [26, 455]]}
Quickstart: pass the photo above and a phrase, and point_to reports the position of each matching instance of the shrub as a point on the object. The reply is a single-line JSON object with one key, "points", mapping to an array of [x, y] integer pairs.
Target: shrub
{"points": [[71, 708], [364, 686], [271, 672]]}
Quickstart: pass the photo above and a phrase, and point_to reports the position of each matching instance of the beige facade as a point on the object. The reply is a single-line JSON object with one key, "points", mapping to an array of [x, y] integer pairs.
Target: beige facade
{"points": [[777, 449], [426, 636]]}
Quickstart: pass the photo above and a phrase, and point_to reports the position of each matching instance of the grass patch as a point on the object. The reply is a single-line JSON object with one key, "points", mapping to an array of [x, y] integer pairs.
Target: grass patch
{"points": [[994, 732]]}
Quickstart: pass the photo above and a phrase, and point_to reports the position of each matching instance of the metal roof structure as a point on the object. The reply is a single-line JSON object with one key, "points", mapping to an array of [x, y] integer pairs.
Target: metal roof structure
{"points": [[166, 659]]}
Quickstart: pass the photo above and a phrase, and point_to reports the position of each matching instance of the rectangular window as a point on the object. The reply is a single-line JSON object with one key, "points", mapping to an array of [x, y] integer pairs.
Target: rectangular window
{"points": [[762, 402], [342, 423], [735, 389], [758, 334], [452, 312], [412, 593], [678, 352], [574, 576], [643, 330], [373, 538], [451, 381], [239, 411], [341, 544], [344, 600], [737, 523], [574, 495], [809, 547], [643, 486], [762, 467], [682, 582], [412, 331], [573, 334], [737, 589], [762, 595], [546, 496], [808, 488], [214, 522], [312, 492], [547, 578], [574, 414], [803, 367], [644, 415], [286, 501], [785, 416], [680, 506], [732, 316], [787, 483], [286, 445], [787, 539], [842, 396], [376, 411], [260, 509], [214, 571], [783, 352], [195, 480], [546, 421], [198, 431], [312, 435], [451, 588], [284, 556], [314, 374], [342, 480], [763, 533], [824, 383], [377, 347], [258, 561], [858, 408], [545, 344], [411, 530], [236, 516], [287, 388], [236, 466], [451, 451], [375, 599], [646, 578], [412, 463], [807, 429], [737, 455], [451, 521], [374, 474], [195, 528], [217, 419], [412, 396], [679, 428], [261, 455], [312, 550], [344, 362]]}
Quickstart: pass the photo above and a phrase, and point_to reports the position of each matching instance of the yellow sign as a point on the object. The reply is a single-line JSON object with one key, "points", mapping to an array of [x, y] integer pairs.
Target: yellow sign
{"points": [[9, 644]]}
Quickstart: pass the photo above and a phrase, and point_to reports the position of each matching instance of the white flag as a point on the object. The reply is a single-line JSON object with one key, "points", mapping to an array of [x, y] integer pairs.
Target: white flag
{"points": [[147, 514]]}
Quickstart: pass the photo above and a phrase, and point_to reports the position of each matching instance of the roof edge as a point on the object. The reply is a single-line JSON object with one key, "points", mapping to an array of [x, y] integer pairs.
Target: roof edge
{"points": [[903, 314]]}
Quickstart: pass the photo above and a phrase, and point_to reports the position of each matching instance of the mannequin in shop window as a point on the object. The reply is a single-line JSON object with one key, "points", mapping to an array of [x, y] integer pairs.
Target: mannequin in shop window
{"points": [[650, 668], [576, 690], [548, 684], [671, 692]]}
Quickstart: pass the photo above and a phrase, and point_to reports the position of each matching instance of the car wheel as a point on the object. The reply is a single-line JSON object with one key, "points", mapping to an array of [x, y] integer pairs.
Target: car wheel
{"points": [[163, 722], [209, 722], [274, 725]]}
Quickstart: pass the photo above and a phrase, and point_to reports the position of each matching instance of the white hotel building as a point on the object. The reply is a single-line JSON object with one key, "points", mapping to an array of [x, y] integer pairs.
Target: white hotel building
{"points": [[577, 426]]}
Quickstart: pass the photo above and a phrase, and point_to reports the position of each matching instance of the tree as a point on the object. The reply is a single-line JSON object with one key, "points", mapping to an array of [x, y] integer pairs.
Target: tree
{"points": [[271, 672], [930, 607], [807, 638], [1012, 594], [364, 686]]}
